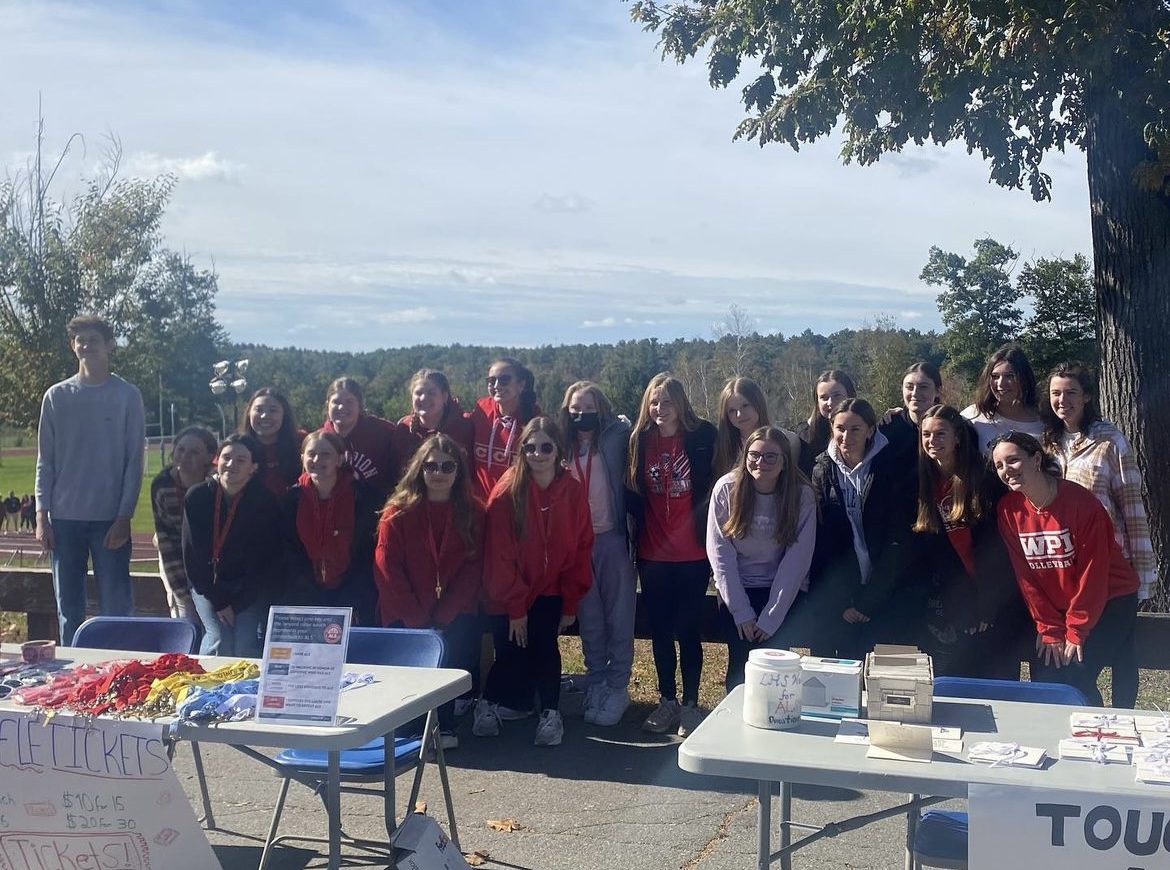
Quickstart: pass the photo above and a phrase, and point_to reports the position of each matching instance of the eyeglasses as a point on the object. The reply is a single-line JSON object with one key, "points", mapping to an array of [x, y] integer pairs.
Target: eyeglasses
{"points": [[502, 380], [544, 447], [446, 467], [763, 458]]}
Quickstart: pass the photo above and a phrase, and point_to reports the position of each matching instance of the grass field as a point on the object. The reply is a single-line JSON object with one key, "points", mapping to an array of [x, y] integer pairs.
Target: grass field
{"points": [[18, 473]]}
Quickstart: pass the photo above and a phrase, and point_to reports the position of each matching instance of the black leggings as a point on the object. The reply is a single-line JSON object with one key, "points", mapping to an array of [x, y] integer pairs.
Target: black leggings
{"points": [[1113, 633], [674, 594], [518, 672]]}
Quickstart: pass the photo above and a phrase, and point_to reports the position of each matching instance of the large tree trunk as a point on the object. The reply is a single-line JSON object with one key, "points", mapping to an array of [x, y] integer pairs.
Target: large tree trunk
{"points": [[1131, 253]]}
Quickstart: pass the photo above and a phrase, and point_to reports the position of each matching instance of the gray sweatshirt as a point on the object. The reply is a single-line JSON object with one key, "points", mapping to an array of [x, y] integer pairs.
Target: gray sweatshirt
{"points": [[852, 483], [90, 450]]}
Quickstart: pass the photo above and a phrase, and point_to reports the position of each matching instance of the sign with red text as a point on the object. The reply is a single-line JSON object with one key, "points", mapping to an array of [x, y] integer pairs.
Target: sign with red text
{"points": [[100, 794], [1072, 830]]}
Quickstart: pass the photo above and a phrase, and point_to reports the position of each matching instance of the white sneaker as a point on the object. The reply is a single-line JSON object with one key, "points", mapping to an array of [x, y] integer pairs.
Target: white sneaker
{"points": [[550, 730], [508, 714], [463, 706], [689, 718], [664, 718], [613, 707], [595, 697], [487, 719]]}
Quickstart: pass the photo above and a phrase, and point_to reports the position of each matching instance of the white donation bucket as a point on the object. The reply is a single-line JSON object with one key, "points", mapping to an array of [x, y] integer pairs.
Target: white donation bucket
{"points": [[772, 682]]}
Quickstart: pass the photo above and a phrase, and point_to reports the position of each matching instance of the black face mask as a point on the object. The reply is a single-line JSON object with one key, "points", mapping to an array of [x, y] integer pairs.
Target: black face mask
{"points": [[586, 422]]}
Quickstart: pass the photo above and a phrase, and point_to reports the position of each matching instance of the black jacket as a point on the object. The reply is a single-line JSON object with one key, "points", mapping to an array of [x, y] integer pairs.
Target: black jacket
{"points": [[699, 446], [889, 501], [250, 561]]}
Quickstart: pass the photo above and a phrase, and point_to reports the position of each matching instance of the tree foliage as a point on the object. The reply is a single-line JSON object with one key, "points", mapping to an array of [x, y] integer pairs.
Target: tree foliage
{"points": [[99, 252], [1063, 325], [979, 305]]}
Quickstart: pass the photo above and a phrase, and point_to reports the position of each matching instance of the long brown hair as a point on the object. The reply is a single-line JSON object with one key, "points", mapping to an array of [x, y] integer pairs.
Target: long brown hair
{"points": [[729, 443], [819, 431], [522, 475], [688, 421], [967, 507], [1012, 354], [411, 491], [742, 496]]}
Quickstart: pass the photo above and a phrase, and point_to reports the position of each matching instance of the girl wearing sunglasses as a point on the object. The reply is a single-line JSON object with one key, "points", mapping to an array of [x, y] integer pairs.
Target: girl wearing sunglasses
{"points": [[597, 445], [538, 570], [498, 418], [761, 529], [429, 558], [328, 522], [668, 483]]}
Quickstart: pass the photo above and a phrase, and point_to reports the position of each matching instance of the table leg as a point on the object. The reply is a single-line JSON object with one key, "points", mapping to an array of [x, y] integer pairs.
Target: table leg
{"points": [[785, 826], [389, 808], [333, 809], [911, 832], [764, 827]]}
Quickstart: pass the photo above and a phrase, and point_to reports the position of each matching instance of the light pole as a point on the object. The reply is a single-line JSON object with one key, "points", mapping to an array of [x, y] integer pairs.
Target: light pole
{"points": [[228, 377]]}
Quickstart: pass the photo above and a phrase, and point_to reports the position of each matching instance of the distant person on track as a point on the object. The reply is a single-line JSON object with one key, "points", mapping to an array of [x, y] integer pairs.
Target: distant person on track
{"points": [[11, 520], [90, 452]]}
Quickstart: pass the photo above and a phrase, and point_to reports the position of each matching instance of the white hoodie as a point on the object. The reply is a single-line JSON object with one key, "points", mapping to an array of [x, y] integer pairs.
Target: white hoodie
{"points": [[852, 482]]}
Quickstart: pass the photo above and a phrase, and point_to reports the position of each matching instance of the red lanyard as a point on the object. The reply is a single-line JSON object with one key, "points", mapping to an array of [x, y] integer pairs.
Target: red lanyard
{"points": [[218, 535], [545, 524], [585, 475], [437, 549], [513, 429], [325, 529]]}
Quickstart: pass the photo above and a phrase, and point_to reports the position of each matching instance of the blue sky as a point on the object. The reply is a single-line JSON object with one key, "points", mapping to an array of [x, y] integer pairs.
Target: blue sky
{"points": [[369, 174]]}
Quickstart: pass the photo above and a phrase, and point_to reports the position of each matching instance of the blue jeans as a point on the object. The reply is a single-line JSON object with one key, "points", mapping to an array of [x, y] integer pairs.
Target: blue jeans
{"points": [[75, 542], [241, 639]]}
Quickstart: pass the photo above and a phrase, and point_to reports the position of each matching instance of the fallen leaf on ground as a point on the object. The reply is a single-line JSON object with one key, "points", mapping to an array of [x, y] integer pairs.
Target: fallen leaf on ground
{"points": [[420, 807], [476, 858], [505, 825]]}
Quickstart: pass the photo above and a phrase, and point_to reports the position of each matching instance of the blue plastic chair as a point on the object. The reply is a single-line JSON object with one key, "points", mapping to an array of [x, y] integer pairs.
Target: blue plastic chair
{"points": [[156, 634], [940, 836], [404, 647]]}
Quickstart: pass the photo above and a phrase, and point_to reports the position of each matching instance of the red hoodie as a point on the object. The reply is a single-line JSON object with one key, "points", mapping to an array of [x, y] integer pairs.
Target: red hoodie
{"points": [[404, 568], [454, 423], [553, 557], [371, 452], [496, 441]]}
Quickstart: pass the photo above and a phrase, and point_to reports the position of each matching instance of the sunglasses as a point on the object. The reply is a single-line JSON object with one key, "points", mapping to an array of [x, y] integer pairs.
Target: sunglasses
{"points": [[446, 467], [763, 458], [544, 447], [502, 380]]}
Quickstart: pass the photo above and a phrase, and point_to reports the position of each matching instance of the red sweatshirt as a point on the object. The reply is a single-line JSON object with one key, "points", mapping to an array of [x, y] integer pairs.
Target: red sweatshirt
{"points": [[553, 558], [497, 439], [454, 423], [404, 567], [1066, 560], [371, 452]]}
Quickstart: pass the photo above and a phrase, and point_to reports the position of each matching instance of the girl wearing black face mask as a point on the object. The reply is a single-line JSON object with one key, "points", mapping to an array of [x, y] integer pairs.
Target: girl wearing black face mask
{"points": [[596, 454]]}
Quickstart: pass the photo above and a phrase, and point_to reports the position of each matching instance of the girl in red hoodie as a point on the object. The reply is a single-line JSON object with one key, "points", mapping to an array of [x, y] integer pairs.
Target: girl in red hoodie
{"points": [[540, 541], [498, 418], [428, 562]]}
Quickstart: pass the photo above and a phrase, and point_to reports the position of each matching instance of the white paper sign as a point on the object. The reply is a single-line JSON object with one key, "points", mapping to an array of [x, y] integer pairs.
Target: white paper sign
{"points": [[304, 658], [93, 795], [1072, 830]]}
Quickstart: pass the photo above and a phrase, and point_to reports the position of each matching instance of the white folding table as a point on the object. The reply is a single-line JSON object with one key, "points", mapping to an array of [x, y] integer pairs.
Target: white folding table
{"points": [[724, 745], [397, 695]]}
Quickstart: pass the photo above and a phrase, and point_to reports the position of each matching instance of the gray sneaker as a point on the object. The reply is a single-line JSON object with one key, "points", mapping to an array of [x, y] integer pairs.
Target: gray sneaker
{"points": [[508, 714], [664, 718], [550, 730], [487, 719], [613, 707], [594, 699], [689, 718]]}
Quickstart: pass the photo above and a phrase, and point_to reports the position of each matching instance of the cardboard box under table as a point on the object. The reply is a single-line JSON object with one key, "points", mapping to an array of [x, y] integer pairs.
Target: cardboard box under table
{"points": [[899, 684]]}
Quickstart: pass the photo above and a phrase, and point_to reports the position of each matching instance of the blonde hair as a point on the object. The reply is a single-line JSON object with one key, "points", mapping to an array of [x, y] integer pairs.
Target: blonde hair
{"points": [[688, 420]]}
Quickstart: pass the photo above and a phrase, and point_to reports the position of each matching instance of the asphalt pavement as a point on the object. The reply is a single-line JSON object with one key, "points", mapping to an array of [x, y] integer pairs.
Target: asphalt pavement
{"points": [[606, 798]]}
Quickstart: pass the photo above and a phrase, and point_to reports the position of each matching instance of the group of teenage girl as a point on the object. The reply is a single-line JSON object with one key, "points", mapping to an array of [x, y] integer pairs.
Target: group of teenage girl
{"points": [[973, 534]]}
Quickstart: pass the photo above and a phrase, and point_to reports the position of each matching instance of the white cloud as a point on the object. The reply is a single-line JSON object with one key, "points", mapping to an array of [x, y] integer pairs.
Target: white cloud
{"points": [[208, 166], [569, 203]]}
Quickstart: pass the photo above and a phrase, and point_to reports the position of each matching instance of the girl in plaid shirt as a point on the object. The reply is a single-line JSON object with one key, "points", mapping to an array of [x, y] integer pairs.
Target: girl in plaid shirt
{"points": [[1093, 452]]}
